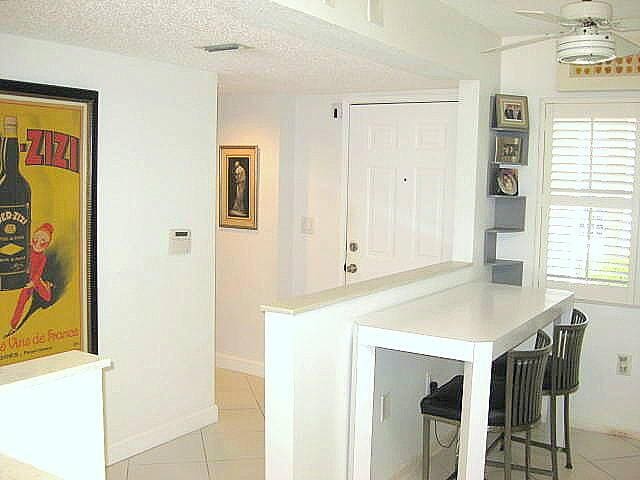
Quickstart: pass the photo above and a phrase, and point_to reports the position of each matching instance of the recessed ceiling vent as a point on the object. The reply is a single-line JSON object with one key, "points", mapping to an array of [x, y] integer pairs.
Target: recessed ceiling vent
{"points": [[224, 47]]}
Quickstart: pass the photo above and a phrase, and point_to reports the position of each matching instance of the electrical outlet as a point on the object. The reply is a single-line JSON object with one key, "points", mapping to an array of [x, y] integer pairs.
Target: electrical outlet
{"points": [[624, 364], [385, 407]]}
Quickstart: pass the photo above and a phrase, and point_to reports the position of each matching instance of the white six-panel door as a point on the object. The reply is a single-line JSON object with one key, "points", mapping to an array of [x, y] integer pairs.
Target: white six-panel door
{"points": [[401, 177]]}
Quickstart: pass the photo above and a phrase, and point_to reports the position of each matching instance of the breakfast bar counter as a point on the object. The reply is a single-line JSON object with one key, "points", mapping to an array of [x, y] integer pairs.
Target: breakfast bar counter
{"points": [[474, 323]]}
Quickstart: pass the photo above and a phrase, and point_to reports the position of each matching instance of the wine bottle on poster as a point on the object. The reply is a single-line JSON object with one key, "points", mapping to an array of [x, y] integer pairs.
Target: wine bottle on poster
{"points": [[15, 212]]}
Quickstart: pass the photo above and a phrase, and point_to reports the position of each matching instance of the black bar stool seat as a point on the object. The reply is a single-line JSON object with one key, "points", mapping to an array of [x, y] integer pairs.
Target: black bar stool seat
{"points": [[446, 402]]}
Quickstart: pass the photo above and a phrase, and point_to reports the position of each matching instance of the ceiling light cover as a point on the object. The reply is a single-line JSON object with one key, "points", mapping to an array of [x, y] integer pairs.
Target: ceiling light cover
{"points": [[586, 49]]}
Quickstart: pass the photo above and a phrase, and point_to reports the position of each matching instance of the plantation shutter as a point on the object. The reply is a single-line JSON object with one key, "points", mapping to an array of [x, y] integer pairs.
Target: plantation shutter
{"points": [[591, 153]]}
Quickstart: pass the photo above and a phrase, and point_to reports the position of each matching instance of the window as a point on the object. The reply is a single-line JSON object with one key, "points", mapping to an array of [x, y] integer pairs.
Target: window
{"points": [[589, 201]]}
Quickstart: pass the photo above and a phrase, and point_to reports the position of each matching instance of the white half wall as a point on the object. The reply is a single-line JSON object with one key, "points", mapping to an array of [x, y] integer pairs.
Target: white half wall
{"points": [[605, 401], [156, 171]]}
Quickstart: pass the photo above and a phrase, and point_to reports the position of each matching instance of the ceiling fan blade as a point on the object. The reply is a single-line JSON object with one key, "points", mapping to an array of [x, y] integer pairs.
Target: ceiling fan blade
{"points": [[625, 46], [547, 17], [531, 41], [627, 24], [625, 30]]}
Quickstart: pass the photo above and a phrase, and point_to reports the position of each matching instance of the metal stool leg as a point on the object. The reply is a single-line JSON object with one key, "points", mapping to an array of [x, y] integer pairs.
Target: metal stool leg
{"points": [[554, 441], [527, 455], [507, 455], [426, 451], [567, 433]]}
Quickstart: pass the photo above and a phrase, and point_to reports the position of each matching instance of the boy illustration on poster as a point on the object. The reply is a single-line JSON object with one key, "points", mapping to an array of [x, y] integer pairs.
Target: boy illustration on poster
{"points": [[37, 289]]}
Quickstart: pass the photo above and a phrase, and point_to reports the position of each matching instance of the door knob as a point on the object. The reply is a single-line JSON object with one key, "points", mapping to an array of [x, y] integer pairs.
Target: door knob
{"points": [[352, 268]]}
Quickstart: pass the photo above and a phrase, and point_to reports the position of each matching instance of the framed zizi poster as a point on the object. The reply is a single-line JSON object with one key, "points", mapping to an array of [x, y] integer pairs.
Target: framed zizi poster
{"points": [[48, 263]]}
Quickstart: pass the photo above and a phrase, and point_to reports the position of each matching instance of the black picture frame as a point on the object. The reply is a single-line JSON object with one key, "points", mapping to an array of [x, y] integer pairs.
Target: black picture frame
{"points": [[91, 99]]}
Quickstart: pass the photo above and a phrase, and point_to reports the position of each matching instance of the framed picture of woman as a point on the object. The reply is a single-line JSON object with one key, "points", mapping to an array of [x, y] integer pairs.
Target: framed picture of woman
{"points": [[238, 185]]}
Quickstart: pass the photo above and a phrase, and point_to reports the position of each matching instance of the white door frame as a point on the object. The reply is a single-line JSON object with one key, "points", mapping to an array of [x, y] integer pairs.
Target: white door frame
{"points": [[423, 96]]}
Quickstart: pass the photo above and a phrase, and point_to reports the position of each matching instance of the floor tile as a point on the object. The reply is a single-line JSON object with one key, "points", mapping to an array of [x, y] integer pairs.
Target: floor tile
{"points": [[238, 421], [257, 388], [597, 446], [238, 470], [230, 380], [235, 399], [117, 471], [581, 471], [233, 445], [621, 468], [257, 383], [633, 441], [188, 448], [169, 471]]}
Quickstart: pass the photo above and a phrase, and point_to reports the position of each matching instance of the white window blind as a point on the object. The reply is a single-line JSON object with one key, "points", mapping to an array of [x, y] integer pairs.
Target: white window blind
{"points": [[589, 199]]}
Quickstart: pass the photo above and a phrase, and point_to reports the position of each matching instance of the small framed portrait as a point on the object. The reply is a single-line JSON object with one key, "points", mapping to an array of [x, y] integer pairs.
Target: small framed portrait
{"points": [[512, 112], [508, 150], [238, 186], [507, 181]]}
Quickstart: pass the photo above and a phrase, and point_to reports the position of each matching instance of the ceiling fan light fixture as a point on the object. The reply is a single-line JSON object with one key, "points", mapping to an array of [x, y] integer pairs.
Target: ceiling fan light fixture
{"points": [[586, 49]]}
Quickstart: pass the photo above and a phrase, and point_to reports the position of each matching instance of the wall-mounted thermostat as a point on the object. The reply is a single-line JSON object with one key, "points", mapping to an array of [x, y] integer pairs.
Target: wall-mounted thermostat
{"points": [[179, 242]]}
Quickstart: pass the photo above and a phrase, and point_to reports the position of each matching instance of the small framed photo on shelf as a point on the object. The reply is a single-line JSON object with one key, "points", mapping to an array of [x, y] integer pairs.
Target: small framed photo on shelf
{"points": [[508, 150], [507, 181], [511, 112]]}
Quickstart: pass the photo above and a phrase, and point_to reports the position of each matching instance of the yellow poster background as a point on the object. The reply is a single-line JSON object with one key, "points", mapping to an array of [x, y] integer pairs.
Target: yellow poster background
{"points": [[57, 198]]}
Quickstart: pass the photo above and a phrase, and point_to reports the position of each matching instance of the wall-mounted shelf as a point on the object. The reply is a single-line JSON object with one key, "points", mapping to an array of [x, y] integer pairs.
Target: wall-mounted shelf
{"points": [[509, 211], [505, 230]]}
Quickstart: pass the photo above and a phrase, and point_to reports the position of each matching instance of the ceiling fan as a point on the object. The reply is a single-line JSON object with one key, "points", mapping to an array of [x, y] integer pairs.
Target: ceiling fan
{"points": [[591, 34]]}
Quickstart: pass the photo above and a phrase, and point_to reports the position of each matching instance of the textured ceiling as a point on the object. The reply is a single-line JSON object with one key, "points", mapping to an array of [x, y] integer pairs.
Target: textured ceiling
{"points": [[498, 16], [168, 30]]}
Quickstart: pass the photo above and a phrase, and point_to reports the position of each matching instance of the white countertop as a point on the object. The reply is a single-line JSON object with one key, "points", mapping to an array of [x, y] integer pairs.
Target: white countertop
{"points": [[305, 303], [11, 469], [473, 312], [48, 368]]}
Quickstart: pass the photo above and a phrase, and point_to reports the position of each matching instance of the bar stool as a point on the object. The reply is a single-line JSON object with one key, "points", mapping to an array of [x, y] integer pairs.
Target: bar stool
{"points": [[515, 403], [562, 378]]}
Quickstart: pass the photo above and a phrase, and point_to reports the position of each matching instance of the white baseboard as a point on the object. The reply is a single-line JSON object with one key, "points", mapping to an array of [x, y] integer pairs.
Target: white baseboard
{"points": [[597, 428], [231, 362], [164, 433]]}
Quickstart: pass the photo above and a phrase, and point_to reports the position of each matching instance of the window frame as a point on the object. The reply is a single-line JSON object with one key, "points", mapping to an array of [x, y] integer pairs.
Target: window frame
{"points": [[630, 295]]}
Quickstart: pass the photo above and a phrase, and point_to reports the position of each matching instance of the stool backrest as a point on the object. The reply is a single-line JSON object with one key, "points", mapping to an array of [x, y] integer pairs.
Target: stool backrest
{"points": [[566, 353], [523, 389]]}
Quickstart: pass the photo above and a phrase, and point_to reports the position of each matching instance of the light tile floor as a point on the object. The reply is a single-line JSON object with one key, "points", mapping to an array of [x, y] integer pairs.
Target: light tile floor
{"points": [[233, 449]]}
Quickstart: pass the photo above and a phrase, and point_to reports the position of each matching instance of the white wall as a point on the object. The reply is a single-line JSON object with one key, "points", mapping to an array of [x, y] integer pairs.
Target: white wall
{"points": [[156, 158], [319, 173], [253, 267], [438, 39], [605, 401]]}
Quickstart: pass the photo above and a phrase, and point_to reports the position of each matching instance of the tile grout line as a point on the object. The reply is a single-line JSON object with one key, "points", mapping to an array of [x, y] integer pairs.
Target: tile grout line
{"points": [[255, 397], [206, 458], [600, 469]]}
